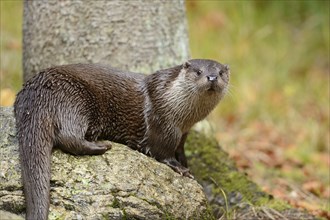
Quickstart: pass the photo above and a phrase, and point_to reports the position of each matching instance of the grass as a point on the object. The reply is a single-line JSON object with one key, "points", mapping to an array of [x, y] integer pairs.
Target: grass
{"points": [[275, 121]]}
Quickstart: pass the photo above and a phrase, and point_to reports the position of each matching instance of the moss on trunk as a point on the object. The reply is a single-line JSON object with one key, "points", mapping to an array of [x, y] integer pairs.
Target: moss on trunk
{"points": [[230, 193]]}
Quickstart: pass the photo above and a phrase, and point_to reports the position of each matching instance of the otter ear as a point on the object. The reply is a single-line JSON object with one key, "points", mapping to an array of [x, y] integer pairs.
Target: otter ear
{"points": [[186, 65], [226, 66]]}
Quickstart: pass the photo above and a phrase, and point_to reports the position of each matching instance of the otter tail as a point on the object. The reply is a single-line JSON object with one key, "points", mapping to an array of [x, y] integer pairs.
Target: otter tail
{"points": [[35, 132]]}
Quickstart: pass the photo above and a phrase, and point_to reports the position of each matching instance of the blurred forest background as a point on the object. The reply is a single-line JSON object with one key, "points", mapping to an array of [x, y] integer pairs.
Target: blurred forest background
{"points": [[275, 121]]}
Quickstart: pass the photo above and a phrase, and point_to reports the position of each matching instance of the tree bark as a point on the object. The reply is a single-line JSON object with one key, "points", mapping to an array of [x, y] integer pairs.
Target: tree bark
{"points": [[141, 36]]}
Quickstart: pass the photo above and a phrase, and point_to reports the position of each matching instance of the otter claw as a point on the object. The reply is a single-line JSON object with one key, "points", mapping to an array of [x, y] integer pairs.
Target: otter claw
{"points": [[188, 174], [184, 172], [177, 167]]}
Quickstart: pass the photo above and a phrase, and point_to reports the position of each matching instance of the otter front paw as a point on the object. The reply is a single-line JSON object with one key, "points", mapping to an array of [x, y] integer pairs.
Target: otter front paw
{"points": [[106, 145], [177, 167]]}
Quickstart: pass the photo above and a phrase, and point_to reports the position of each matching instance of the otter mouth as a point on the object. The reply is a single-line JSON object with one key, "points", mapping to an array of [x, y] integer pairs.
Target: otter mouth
{"points": [[211, 89], [214, 88]]}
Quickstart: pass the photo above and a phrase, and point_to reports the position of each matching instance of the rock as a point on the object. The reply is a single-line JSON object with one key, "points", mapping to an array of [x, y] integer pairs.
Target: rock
{"points": [[121, 184], [9, 216]]}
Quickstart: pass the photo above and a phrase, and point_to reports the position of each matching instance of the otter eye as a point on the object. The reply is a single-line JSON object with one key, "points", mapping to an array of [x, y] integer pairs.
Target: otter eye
{"points": [[221, 72], [199, 72]]}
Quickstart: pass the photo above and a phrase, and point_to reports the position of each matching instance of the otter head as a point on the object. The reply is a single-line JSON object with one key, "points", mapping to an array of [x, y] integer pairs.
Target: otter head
{"points": [[208, 77], [196, 88], [187, 93]]}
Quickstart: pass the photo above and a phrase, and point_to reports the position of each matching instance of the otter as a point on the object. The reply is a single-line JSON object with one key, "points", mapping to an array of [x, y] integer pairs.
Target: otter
{"points": [[76, 107]]}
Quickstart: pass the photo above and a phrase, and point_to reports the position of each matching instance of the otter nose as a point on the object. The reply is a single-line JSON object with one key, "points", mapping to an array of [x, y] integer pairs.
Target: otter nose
{"points": [[212, 78]]}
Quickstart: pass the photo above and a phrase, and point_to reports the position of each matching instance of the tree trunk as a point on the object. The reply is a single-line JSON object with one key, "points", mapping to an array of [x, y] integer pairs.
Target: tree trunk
{"points": [[141, 36]]}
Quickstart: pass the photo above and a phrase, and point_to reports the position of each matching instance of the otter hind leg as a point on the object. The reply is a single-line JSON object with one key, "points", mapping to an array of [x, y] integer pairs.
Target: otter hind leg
{"points": [[74, 135], [79, 146]]}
